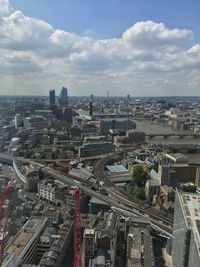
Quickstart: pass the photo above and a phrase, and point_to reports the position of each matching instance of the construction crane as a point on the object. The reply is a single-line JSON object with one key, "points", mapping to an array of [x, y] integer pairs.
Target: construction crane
{"points": [[77, 229], [5, 211]]}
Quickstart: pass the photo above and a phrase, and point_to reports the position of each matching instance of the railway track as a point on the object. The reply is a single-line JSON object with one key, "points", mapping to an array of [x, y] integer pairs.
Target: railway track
{"points": [[157, 218]]}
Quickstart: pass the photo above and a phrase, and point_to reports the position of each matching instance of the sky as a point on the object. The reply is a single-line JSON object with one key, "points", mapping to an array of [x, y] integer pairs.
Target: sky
{"points": [[136, 47]]}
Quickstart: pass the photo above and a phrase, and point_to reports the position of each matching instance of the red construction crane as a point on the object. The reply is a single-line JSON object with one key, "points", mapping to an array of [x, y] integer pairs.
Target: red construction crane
{"points": [[77, 229], [5, 211]]}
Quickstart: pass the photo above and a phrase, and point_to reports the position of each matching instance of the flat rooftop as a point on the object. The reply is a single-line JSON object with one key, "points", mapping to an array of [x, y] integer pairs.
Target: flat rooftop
{"points": [[177, 157], [191, 208], [117, 169], [23, 237]]}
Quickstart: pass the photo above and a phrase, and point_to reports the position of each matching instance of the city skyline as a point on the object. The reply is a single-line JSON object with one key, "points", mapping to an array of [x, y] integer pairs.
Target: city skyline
{"points": [[146, 53]]}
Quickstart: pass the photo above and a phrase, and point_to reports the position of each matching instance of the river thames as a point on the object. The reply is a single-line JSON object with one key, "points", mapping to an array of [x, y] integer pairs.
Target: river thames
{"points": [[155, 128]]}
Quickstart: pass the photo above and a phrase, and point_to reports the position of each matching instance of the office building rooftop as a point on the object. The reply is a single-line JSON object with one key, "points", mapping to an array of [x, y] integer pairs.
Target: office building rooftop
{"points": [[23, 240], [191, 207]]}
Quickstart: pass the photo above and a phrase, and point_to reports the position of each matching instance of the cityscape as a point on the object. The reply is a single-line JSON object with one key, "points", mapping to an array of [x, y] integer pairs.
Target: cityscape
{"points": [[100, 181], [99, 133]]}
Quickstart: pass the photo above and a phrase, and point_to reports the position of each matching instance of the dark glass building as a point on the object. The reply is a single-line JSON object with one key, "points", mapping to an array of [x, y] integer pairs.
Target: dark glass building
{"points": [[63, 97], [52, 98]]}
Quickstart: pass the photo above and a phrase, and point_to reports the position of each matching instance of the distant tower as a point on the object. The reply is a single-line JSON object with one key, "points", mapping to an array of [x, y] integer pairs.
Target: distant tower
{"points": [[91, 109], [107, 94], [128, 98], [18, 121], [63, 97], [52, 98], [91, 105]]}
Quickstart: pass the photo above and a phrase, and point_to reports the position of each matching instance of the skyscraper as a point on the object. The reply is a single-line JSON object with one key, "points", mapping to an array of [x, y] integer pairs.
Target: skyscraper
{"points": [[18, 121], [107, 94], [186, 230], [63, 97], [91, 109], [52, 98]]}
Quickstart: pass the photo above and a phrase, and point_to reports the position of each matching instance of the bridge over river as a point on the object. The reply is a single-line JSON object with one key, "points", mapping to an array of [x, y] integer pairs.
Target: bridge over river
{"points": [[167, 135]]}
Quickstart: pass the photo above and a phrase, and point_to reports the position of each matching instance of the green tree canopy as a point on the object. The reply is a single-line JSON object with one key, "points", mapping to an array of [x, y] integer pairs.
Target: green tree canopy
{"points": [[139, 176]]}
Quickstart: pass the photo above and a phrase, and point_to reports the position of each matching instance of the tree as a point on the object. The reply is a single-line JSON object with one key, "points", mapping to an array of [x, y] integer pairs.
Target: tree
{"points": [[139, 193], [139, 176]]}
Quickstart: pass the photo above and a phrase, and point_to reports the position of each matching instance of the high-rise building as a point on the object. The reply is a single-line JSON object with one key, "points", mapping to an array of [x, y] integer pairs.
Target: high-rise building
{"points": [[128, 98], [91, 109], [18, 121], [63, 97], [186, 230], [107, 94], [52, 98]]}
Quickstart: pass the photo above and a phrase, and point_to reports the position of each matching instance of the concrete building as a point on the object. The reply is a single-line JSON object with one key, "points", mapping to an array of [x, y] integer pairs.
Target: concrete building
{"points": [[93, 149], [55, 256], [118, 124], [89, 245], [100, 259], [139, 244], [176, 158], [22, 249], [46, 190], [97, 205], [152, 184], [107, 236], [18, 121], [52, 214], [175, 173], [27, 123], [39, 245], [46, 139], [186, 230], [132, 137], [167, 197], [100, 241], [64, 196], [28, 175], [37, 122]]}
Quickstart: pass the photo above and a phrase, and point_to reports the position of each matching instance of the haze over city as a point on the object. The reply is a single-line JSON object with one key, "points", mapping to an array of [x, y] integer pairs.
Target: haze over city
{"points": [[145, 48]]}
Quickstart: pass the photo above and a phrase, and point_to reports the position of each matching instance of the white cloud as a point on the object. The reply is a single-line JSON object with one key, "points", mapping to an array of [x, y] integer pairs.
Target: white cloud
{"points": [[151, 34], [5, 7], [18, 32], [148, 57]]}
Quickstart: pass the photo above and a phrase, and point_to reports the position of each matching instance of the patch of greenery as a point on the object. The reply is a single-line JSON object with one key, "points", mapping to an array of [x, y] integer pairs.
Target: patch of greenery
{"points": [[63, 137], [137, 184], [139, 176]]}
